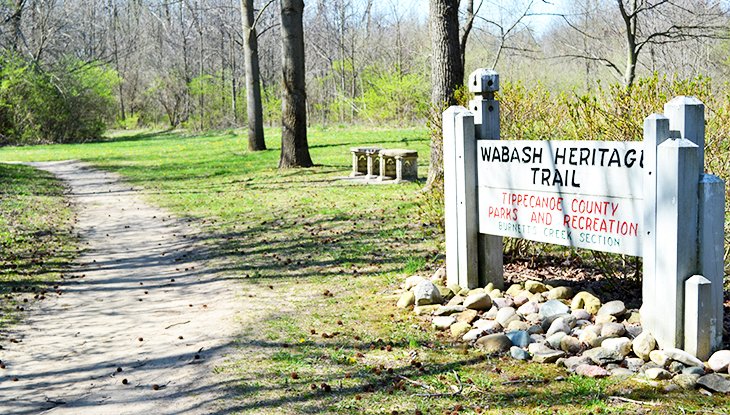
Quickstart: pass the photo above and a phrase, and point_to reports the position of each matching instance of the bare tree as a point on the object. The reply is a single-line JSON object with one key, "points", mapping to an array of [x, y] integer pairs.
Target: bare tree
{"points": [[642, 24], [253, 77], [468, 25], [447, 73], [294, 147]]}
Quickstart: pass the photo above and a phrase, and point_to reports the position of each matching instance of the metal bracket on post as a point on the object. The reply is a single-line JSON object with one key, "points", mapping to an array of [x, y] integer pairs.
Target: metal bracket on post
{"points": [[484, 83]]}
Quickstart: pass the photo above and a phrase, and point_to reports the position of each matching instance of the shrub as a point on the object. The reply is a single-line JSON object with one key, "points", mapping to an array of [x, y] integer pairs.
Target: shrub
{"points": [[393, 96], [72, 101]]}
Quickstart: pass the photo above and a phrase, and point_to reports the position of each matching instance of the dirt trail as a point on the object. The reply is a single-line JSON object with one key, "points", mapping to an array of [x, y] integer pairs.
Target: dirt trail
{"points": [[140, 299]]}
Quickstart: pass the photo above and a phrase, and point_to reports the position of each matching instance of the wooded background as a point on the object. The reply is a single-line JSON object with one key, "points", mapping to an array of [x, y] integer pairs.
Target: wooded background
{"points": [[70, 69]]}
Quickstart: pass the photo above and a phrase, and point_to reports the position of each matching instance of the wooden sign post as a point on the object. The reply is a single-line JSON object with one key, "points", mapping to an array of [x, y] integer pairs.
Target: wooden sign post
{"points": [[649, 199]]}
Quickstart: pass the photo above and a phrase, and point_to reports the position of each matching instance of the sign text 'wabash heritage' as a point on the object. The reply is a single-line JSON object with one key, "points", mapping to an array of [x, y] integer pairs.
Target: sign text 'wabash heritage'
{"points": [[585, 194]]}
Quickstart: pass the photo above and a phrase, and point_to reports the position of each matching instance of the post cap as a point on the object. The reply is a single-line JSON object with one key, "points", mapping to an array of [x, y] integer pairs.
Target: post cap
{"points": [[483, 80], [683, 100]]}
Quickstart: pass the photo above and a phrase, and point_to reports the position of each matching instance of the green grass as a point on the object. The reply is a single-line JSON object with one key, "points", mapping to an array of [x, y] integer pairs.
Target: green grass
{"points": [[323, 257], [36, 240]]}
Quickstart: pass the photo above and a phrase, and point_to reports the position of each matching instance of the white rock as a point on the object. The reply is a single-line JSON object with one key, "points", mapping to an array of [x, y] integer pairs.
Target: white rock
{"points": [[590, 338], [521, 299], [517, 325], [528, 308], [473, 334], [443, 322], [553, 307], [620, 345], [643, 344], [614, 308], [659, 357], [412, 281], [456, 300], [478, 301], [605, 318], [559, 325], [427, 293], [489, 326], [613, 330], [581, 314], [719, 361], [570, 345], [504, 315], [533, 318], [682, 357], [656, 373], [502, 302], [538, 348], [554, 339]]}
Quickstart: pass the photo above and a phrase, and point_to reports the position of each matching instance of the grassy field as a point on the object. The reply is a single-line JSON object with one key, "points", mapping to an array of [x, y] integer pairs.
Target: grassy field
{"points": [[330, 254], [36, 240]]}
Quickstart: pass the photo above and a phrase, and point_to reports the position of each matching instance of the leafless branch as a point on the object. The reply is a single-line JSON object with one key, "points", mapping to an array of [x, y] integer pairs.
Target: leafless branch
{"points": [[261, 13]]}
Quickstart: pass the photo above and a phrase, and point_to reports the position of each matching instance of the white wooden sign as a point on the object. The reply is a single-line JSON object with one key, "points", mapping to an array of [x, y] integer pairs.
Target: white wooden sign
{"points": [[650, 199], [586, 194]]}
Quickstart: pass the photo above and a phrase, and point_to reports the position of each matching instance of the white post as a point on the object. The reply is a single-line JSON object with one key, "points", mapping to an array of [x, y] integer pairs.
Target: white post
{"points": [[711, 248], [676, 237], [450, 221], [698, 315], [460, 197], [687, 116], [656, 131], [484, 83]]}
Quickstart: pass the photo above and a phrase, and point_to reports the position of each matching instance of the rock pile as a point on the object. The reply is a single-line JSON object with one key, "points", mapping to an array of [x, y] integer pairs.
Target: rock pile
{"points": [[551, 324]]}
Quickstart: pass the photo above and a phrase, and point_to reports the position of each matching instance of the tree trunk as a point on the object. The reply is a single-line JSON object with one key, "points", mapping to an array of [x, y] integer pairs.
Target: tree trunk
{"points": [[629, 19], [468, 24], [16, 24], [447, 74], [294, 147], [255, 118]]}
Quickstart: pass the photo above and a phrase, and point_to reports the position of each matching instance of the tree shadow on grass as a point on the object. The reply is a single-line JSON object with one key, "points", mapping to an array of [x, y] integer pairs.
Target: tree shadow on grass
{"points": [[359, 386]]}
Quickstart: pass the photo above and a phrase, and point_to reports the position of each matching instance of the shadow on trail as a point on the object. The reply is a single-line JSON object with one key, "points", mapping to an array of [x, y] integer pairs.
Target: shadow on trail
{"points": [[132, 370]]}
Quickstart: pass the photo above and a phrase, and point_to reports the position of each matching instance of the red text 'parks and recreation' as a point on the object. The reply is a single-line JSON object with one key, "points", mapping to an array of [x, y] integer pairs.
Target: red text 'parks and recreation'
{"points": [[575, 213]]}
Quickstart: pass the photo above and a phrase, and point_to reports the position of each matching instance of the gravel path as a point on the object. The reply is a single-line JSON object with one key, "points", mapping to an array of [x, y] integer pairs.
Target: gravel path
{"points": [[139, 325]]}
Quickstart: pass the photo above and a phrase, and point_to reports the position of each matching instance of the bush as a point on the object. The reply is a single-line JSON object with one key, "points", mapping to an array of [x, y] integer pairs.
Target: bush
{"points": [[70, 102], [211, 100], [393, 96]]}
